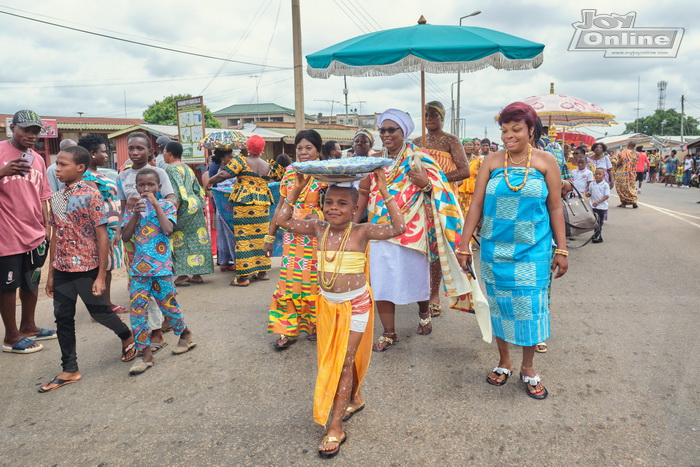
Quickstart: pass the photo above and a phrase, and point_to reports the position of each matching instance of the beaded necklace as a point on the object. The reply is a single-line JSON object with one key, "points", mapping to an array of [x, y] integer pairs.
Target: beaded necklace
{"points": [[328, 283], [527, 169]]}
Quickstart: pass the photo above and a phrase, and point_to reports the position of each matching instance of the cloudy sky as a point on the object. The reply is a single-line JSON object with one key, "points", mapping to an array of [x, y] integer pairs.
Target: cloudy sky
{"points": [[58, 71]]}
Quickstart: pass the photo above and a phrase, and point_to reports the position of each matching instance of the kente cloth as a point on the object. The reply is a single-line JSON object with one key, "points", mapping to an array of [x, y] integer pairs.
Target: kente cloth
{"points": [[293, 306], [190, 240], [110, 207], [519, 316], [625, 175], [555, 149], [446, 227], [333, 330], [250, 225], [516, 253], [347, 262]]}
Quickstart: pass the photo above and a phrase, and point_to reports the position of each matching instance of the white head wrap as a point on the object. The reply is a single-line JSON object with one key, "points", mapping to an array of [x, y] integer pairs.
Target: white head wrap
{"points": [[401, 118]]}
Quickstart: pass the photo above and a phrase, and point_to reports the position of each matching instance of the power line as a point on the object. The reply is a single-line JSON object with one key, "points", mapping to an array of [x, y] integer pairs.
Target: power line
{"points": [[129, 41]]}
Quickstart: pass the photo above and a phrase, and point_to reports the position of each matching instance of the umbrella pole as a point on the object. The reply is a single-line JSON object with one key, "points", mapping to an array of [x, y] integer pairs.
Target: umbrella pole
{"points": [[422, 106]]}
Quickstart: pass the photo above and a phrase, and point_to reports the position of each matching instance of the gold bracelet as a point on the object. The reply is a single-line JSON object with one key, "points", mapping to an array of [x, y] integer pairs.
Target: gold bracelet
{"points": [[269, 239], [427, 187], [460, 252], [288, 202], [561, 252], [390, 198]]}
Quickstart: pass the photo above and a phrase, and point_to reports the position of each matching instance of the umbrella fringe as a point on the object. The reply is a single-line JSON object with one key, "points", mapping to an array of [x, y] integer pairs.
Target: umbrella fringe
{"points": [[412, 64]]}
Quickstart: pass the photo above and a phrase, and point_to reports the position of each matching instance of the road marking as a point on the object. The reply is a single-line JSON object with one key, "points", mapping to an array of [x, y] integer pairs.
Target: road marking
{"points": [[669, 212], [675, 214]]}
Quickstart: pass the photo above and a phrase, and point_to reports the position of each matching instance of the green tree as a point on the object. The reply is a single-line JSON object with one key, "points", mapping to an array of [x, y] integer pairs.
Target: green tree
{"points": [[664, 122], [164, 112]]}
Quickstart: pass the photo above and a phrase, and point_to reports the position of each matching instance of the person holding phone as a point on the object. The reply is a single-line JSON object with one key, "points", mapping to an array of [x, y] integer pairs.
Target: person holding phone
{"points": [[25, 232]]}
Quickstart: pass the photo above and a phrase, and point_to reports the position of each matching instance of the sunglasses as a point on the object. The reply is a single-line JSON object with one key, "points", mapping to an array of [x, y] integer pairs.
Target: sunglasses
{"points": [[391, 130]]}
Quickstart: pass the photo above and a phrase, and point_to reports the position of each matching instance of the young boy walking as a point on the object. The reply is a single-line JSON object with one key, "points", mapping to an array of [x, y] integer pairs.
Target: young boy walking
{"points": [[148, 224], [600, 192], [79, 251]]}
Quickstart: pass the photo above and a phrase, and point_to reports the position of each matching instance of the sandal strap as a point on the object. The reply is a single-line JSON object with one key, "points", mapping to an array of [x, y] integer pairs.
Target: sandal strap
{"points": [[330, 439], [502, 371], [424, 322], [383, 339], [435, 306], [531, 380]]}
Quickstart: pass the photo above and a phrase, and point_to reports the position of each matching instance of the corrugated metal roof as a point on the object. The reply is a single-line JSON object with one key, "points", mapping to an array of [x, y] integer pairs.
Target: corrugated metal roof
{"points": [[91, 126]]}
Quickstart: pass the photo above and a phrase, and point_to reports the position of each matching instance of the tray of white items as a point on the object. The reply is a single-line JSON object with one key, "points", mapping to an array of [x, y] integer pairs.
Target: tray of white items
{"points": [[342, 170]]}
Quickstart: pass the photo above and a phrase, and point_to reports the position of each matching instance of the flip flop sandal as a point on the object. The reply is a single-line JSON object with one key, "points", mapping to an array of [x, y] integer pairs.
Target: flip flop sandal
{"points": [[350, 411], [533, 381], [44, 335], [194, 281], [499, 371], [389, 340], [58, 382], [280, 345], [128, 349], [541, 348], [22, 346], [237, 283], [182, 284], [331, 439], [264, 278], [155, 348], [119, 309], [435, 309], [422, 323]]}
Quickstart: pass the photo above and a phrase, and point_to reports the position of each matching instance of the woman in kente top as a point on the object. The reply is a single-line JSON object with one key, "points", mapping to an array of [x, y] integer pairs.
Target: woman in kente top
{"points": [[400, 267], [251, 198], [293, 307], [518, 199], [447, 150]]}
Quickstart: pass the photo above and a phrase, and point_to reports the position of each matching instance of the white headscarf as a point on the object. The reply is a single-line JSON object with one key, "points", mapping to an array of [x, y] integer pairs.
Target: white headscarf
{"points": [[401, 118]]}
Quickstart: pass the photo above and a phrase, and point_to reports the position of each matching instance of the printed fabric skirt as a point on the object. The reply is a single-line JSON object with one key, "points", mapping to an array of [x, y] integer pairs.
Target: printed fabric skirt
{"points": [[293, 307], [191, 245], [250, 223], [624, 184], [519, 316]]}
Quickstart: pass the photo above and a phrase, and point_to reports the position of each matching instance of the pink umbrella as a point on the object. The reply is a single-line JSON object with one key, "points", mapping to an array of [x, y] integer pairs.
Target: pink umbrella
{"points": [[568, 111]]}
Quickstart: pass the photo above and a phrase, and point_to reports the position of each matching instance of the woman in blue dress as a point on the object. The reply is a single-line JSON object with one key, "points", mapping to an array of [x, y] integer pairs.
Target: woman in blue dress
{"points": [[517, 197]]}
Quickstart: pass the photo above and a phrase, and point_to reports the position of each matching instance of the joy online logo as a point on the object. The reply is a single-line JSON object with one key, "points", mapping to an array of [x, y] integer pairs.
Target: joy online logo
{"points": [[617, 37]]}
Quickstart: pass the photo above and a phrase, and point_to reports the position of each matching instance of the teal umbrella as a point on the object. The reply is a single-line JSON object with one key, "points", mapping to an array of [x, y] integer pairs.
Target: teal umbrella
{"points": [[425, 48]]}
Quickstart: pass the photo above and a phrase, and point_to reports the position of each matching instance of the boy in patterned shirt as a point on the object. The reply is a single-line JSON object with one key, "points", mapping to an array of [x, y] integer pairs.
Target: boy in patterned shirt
{"points": [[149, 223], [79, 251]]}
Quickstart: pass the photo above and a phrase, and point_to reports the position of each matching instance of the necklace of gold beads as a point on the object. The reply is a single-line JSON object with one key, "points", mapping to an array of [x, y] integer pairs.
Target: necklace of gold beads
{"points": [[527, 168], [328, 283]]}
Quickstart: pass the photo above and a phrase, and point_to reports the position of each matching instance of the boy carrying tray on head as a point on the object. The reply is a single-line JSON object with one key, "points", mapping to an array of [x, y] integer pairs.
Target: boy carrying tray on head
{"points": [[345, 305]]}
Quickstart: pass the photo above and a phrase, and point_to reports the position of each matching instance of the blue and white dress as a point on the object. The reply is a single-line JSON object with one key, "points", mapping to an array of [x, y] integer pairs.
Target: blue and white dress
{"points": [[516, 255]]}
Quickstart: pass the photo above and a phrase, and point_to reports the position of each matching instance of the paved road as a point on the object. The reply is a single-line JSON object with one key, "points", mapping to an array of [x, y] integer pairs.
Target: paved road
{"points": [[622, 372]]}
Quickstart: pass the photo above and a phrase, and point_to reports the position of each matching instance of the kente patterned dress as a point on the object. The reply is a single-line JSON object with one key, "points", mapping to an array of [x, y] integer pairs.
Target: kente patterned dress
{"points": [[293, 307], [466, 189], [110, 206], [625, 175], [190, 241], [516, 253], [399, 266], [251, 198]]}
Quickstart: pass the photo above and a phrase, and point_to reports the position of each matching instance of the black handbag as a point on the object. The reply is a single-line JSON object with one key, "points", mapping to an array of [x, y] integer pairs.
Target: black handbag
{"points": [[578, 216], [37, 257]]}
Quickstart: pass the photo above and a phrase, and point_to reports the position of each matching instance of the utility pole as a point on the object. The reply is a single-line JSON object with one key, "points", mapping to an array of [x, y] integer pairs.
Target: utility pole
{"points": [[639, 82], [682, 116], [345, 91], [459, 76], [299, 121]]}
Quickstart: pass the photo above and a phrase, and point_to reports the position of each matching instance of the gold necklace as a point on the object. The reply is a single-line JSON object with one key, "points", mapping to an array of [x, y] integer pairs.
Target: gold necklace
{"points": [[510, 156], [527, 169], [328, 283]]}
